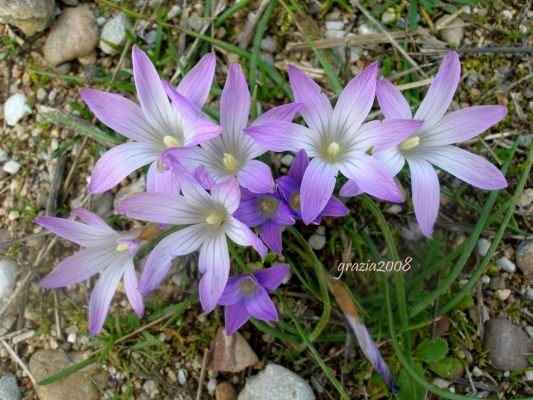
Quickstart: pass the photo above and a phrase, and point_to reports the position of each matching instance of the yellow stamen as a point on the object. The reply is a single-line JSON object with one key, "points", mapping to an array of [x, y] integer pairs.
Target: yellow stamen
{"points": [[295, 202], [248, 287], [122, 247], [214, 219], [410, 143], [171, 141], [333, 149], [230, 163]]}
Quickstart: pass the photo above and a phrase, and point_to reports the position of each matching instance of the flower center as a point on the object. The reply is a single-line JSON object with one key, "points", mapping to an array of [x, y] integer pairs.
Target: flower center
{"points": [[230, 163], [331, 153], [410, 143], [294, 201], [130, 245], [247, 287], [123, 246], [215, 219], [171, 141], [268, 206]]}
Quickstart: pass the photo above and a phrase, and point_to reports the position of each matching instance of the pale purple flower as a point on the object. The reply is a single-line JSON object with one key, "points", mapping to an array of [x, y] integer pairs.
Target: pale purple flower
{"points": [[233, 153], [107, 251], [336, 140], [432, 142], [290, 186], [155, 125], [246, 296], [210, 219], [267, 211]]}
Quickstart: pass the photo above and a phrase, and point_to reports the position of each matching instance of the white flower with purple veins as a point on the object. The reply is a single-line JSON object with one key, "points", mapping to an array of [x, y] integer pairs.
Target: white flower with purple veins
{"points": [[155, 125], [107, 251], [336, 139], [232, 154], [210, 219], [432, 142]]}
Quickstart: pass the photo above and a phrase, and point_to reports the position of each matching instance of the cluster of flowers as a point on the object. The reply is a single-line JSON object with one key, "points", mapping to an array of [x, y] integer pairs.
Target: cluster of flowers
{"points": [[206, 176]]}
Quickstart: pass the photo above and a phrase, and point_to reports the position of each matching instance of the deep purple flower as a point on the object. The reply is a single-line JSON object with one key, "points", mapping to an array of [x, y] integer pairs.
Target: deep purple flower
{"points": [[155, 125], [290, 186], [106, 250], [210, 219], [246, 296], [336, 140], [432, 142], [232, 154], [267, 211]]}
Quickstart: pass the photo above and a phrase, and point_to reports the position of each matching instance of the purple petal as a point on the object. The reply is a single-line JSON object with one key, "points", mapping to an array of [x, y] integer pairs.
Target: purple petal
{"points": [[298, 166], [234, 104], [196, 84], [256, 176], [284, 136], [103, 293], [201, 131], [391, 159], [466, 166], [317, 187], [79, 267], [260, 306], [132, 291], [426, 194], [287, 186], [271, 278], [464, 124], [391, 101], [382, 135], [182, 242], [91, 219], [335, 208], [121, 115], [270, 233], [235, 317], [350, 189], [214, 262], [283, 113], [77, 232], [248, 213], [441, 91], [201, 174], [241, 234], [232, 291], [161, 181], [356, 100], [316, 109], [371, 177], [117, 163], [228, 194], [284, 215]]}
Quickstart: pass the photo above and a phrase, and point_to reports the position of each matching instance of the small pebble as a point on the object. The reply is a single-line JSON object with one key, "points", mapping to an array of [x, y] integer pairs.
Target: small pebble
{"points": [[150, 38], [269, 44], [334, 25], [150, 387], [529, 294], [507, 14], [16, 108], [174, 11], [3, 155], [528, 376], [41, 94], [317, 241], [485, 279], [529, 330], [9, 387], [71, 338], [212, 386], [526, 198], [287, 160], [11, 167], [506, 265], [482, 247], [477, 372], [114, 33], [182, 377], [388, 17], [503, 294]]}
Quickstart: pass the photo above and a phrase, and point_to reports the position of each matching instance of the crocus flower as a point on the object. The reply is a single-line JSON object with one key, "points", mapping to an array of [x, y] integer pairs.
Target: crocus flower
{"points": [[246, 296], [155, 125], [210, 219], [267, 211], [107, 251], [336, 140], [432, 142], [289, 187], [233, 153]]}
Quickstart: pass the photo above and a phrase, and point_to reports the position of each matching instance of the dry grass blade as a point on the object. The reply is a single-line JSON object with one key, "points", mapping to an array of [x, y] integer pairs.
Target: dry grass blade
{"points": [[19, 361], [357, 40]]}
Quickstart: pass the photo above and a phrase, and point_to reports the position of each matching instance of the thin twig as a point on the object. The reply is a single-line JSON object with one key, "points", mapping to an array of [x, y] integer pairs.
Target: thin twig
{"points": [[19, 361], [202, 375], [26, 238]]}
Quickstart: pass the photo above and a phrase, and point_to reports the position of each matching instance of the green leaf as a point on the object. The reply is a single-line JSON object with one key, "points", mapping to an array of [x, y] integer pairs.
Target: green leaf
{"points": [[449, 368], [68, 371], [432, 350], [410, 390]]}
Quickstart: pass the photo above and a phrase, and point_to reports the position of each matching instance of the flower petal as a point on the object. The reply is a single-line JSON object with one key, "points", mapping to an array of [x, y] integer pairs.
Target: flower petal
{"points": [[235, 317], [201, 131], [103, 293], [77, 232], [182, 242], [228, 194], [91, 219], [317, 187], [335, 208], [132, 290], [298, 166], [355, 101], [371, 177], [196, 83], [464, 124], [284, 136], [270, 233], [284, 113], [232, 291], [391, 101], [79, 267], [256, 176], [214, 262], [426, 194], [316, 109], [466, 166], [241, 234], [118, 162], [391, 159], [271, 278], [350, 189], [441, 91], [234, 105], [382, 135], [161, 181], [121, 115], [260, 306], [248, 213]]}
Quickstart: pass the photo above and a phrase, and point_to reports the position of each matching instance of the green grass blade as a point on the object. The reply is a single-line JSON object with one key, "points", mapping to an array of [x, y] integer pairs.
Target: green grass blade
{"points": [[256, 47], [68, 371]]}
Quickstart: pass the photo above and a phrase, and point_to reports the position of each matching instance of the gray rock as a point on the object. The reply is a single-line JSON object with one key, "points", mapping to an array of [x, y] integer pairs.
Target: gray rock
{"points": [[317, 241], [9, 388], [174, 11], [508, 344], [75, 34], [454, 32], [497, 283], [388, 17], [267, 59], [287, 159], [30, 16], [194, 22], [506, 265], [8, 274], [3, 155], [482, 247], [150, 38], [11, 167], [334, 25], [41, 94], [269, 44], [526, 198], [114, 33], [16, 108], [276, 383], [524, 258]]}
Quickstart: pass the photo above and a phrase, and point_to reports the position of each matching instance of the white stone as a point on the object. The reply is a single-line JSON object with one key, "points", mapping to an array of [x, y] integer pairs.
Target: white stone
{"points": [[212, 386], [11, 167], [334, 34], [72, 337], [287, 159], [529, 330], [174, 11], [482, 247], [114, 32], [41, 94], [529, 294], [528, 376], [365, 29], [8, 274], [485, 279], [15, 108], [506, 265], [3, 155], [269, 44], [507, 14], [182, 377], [476, 371], [503, 294], [150, 37], [388, 17], [334, 25]]}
